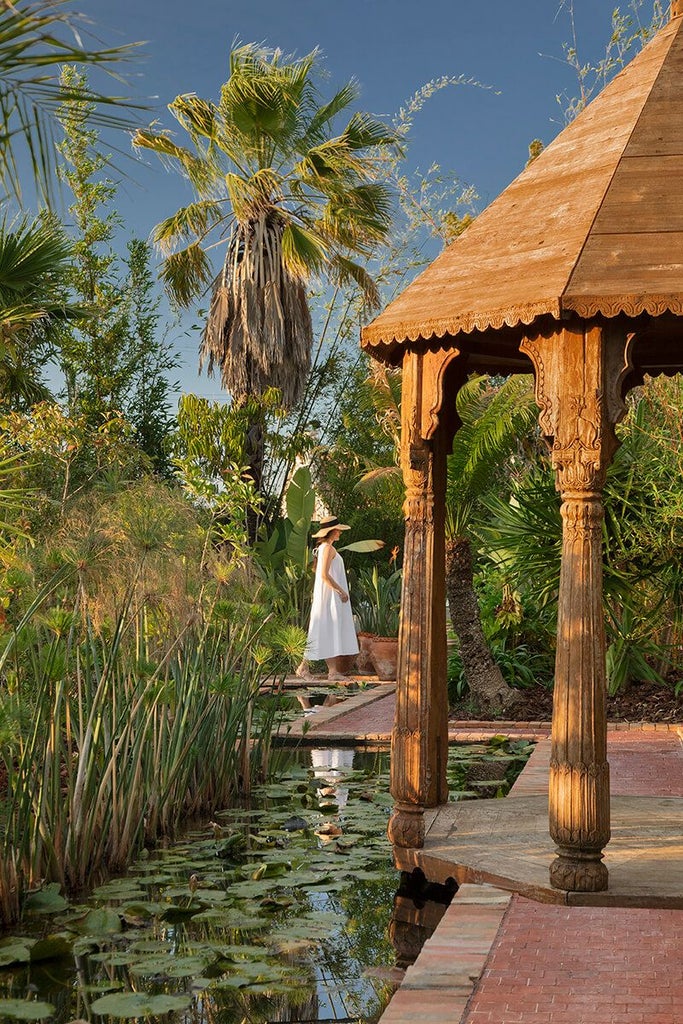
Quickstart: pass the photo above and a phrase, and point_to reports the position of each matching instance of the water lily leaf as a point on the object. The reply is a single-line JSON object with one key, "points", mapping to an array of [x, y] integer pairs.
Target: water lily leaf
{"points": [[276, 902], [255, 972], [237, 954], [149, 945], [84, 946], [139, 1004], [170, 965], [294, 824], [24, 1009], [47, 900], [271, 869], [15, 951], [304, 928], [51, 948], [276, 791], [139, 913], [329, 828], [118, 959], [292, 946], [120, 889], [227, 917], [106, 985], [251, 890], [314, 878], [102, 921]]}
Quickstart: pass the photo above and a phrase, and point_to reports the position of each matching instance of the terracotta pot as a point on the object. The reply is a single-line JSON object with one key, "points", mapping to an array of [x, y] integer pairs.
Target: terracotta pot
{"points": [[364, 664], [384, 654]]}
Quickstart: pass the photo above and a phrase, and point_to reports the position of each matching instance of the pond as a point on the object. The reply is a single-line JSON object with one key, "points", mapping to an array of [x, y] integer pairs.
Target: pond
{"points": [[279, 911]]}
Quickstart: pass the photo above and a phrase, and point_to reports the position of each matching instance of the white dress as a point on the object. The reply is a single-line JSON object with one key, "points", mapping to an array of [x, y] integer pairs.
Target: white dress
{"points": [[331, 632]]}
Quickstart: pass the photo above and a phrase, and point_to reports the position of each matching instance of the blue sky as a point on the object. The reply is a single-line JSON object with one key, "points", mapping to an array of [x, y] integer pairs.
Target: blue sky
{"points": [[392, 47]]}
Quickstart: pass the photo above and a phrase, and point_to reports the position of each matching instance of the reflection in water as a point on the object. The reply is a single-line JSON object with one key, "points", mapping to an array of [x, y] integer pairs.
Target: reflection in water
{"points": [[276, 911], [331, 765], [259, 917], [418, 908]]}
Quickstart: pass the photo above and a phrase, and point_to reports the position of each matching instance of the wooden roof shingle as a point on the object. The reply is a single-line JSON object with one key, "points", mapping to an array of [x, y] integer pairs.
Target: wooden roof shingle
{"points": [[593, 226]]}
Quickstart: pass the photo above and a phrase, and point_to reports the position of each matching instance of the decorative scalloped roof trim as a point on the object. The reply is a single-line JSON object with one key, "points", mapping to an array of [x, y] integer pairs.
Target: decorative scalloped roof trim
{"points": [[377, 333], [587, 306]]}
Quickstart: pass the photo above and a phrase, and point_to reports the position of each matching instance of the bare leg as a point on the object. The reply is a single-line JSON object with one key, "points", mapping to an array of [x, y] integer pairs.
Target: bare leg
{"points": [[334, 666], [303, 671]]}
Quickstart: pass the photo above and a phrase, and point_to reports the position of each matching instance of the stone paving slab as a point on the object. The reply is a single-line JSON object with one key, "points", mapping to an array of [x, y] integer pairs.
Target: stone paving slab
{"points": [[438, 986], [321, 725]]}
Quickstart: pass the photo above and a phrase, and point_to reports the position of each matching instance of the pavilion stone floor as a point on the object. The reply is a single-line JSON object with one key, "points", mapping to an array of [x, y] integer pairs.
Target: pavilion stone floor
{"points": [[506, 843]]}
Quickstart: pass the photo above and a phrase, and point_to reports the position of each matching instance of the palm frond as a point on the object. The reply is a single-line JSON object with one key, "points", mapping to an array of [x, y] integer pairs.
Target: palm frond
{"points": [[325, 114], [197, 116], [303, 251], [344, 270], [37, 39], [193, 221], [186, 273]]}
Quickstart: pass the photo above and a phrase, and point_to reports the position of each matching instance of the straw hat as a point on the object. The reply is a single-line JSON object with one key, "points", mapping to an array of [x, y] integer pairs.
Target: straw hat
{"points": [[327, 524]]}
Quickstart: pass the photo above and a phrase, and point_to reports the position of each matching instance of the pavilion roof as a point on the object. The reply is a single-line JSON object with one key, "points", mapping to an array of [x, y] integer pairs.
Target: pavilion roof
{"points": [[593, 226]]}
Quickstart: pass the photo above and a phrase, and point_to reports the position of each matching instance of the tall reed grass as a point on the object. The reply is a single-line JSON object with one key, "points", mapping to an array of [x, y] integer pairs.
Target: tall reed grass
{"points": [[107, 746]]}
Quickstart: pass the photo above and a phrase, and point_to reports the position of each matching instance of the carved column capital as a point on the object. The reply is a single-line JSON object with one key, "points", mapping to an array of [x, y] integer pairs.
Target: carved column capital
{"points": [[579, 373]]}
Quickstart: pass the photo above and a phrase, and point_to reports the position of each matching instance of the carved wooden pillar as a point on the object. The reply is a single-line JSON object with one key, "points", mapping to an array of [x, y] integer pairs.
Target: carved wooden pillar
{"points": [[579, 376], [419, 745]]}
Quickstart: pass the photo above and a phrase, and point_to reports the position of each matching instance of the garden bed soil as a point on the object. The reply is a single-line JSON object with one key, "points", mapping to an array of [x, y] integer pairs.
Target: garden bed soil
{"points": [[643, 702]]}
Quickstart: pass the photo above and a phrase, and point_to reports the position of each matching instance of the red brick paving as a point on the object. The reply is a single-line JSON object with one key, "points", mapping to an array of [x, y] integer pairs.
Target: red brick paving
{"points": [[501, 959], [551, 964], [580, 965]]}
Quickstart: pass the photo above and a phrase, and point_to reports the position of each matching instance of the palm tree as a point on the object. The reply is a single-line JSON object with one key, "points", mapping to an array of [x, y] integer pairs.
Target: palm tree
{"points": [[37, 39], [34, 257], [288, 200]]}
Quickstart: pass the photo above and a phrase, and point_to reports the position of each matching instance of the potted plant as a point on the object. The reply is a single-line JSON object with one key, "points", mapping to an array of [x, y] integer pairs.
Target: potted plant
{"points": [[377, 608]]}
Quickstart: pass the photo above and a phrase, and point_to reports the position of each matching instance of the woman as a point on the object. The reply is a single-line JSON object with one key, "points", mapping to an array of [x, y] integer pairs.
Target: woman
{"points": [[331, 631]]}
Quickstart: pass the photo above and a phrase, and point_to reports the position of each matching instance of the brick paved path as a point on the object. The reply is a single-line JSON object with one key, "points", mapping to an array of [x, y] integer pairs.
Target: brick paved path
{"points": [[550, 964], [554, 965]]}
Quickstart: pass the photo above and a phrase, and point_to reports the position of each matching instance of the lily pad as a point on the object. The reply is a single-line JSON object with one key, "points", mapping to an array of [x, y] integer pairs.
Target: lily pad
{"points": [[47, 900], [170, 965], [24, 1009], [139, 1004], [102, 921], [139, 913], [15, 951]]}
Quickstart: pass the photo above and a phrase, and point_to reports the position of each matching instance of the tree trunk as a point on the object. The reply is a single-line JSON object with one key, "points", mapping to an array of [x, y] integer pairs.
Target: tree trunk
{"points": [[254, 451], [487, 687]]}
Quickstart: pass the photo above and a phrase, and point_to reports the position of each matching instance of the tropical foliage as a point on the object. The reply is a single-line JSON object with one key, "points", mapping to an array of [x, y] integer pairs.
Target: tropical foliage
{"points": [[155, 566], [290, 198], [38, 38]]}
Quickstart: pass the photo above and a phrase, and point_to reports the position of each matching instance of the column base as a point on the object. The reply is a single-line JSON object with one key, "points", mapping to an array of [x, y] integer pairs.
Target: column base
{"points": [[579, 871], [407, 826]]}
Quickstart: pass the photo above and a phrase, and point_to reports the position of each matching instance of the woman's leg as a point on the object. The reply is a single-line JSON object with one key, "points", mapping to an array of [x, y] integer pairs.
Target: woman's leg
{"points": [[335, 668]]}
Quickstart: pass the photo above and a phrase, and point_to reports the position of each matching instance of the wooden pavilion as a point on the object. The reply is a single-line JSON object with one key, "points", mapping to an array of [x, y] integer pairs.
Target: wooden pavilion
{"points": [[575, 273]]}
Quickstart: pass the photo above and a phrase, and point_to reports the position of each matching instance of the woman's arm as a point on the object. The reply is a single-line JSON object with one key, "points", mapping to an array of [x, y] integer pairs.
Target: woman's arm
{"points": [[328, 554]]}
